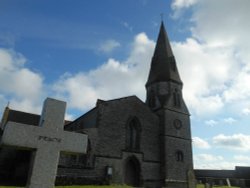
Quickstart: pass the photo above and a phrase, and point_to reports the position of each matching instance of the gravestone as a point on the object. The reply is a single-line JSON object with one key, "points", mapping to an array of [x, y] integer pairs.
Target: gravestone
{"points": [[221, 182], [48, 140], [228, 182], [191, 179], [242, 183], [207, 185]]}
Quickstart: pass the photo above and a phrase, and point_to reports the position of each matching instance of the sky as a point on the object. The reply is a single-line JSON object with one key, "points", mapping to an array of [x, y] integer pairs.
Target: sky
{"points": [[80, 51]]}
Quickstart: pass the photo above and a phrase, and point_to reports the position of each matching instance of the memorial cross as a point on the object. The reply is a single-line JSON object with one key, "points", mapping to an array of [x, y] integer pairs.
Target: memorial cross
{"points": [[48, 140]]}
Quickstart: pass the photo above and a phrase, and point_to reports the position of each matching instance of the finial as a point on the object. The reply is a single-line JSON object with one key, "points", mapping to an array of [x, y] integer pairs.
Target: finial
{"points": [[162, 16], [8, 104]]}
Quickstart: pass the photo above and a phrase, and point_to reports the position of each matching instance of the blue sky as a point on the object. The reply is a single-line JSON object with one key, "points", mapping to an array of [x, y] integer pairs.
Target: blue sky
{"points": [[79, 51]]}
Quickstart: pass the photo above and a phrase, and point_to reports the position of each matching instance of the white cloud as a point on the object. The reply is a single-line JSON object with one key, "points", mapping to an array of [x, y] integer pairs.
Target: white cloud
{"points": [[208, 157], [240, 88], [69, 117], [246, 111], [10, 59], [242, 158], [229, 120], [111, 80], [213, 65], [126, 25], [217, 57], [200, 143], [203, 90], [211, 123], [25, 89], [109, 45], [211, 14], [239, 142], [178, 4], [233, 36], [209, 161], [19, 85]]}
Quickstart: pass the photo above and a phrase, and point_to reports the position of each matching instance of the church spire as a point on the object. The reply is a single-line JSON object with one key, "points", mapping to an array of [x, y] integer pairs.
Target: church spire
{"points": [[4, 117], [163, 65], [163, 42]]}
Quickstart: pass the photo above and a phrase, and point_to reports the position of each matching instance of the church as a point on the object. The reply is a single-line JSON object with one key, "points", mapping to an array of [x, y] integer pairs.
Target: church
{"points": [[132, 142]]}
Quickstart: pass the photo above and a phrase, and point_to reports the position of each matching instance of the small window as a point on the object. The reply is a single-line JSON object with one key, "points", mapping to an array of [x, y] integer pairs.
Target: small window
{"points": [[179, 156], [177, 98]]}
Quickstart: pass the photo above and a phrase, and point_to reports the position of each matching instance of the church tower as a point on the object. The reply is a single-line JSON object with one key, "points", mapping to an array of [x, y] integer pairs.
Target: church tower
{"points": [[164, 97]]}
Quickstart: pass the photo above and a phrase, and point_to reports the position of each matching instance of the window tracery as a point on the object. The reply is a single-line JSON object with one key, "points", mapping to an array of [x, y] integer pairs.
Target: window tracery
{"points": [[133, 135]]}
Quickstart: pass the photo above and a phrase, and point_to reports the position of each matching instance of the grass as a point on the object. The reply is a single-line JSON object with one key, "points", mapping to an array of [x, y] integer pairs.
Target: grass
{"points": [[76, 186], [113, 186], [202, 186], [92, 186]]}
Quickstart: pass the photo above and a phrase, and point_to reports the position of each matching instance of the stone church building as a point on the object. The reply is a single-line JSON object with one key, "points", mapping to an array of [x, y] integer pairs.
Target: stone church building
{"points": [[143, 144]]}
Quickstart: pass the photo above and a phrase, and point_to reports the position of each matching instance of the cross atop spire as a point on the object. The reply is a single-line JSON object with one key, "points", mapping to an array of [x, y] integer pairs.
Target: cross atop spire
{"points": [[162, 16], [163, 65]]}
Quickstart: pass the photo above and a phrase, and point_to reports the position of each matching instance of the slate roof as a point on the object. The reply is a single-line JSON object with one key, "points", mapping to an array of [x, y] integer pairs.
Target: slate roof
{"points": [[240, 172], [214, 173], [163, 64], [93, 123], [24, 117]]}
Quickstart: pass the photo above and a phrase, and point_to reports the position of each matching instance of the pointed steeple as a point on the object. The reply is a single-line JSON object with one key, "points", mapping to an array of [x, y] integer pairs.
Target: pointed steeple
{"points": [[163, 45], [163, 65]]}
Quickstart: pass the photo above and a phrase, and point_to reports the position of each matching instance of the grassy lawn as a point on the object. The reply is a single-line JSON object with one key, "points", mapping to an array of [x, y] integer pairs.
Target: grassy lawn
{"points": [[92, 186], [114, 186], [87, 186], [202, 186]]}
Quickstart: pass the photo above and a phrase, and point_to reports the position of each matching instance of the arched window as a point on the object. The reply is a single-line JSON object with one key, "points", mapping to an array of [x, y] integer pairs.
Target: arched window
{"points": [[133, 135], [179, 156], [177, 98]]}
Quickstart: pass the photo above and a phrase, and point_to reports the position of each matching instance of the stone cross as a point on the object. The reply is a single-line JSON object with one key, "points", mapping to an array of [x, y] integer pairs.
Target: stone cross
{"points": [[47, 139]]}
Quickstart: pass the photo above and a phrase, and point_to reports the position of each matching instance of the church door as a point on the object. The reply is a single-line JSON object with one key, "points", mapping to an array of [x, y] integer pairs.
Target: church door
{"points": [[132, 172]]}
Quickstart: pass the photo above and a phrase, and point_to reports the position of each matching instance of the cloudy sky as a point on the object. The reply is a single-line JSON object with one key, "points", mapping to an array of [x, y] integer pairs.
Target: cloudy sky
{"points": [[79, 51]]}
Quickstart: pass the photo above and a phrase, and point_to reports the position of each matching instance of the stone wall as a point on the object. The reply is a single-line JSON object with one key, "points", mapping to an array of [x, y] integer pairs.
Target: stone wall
{"points": [[114, 116], [108, 141]]}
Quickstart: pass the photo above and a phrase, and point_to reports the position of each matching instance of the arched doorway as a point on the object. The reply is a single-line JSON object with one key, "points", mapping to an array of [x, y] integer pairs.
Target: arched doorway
{"points": [[132, 172]]}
